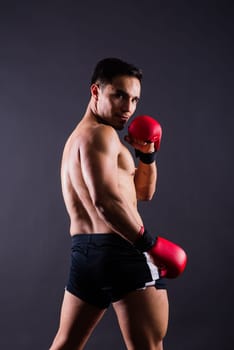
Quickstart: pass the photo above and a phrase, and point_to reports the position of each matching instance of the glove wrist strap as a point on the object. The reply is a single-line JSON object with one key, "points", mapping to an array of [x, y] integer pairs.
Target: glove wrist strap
{"points": [[144, 241], [146, 158]]}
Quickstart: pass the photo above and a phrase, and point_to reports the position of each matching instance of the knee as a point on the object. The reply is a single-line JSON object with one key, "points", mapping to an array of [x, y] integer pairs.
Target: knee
{"points": [[156, 342], [61, 342], [149, 344], [149, 341], [159, 335], [154, 339]]}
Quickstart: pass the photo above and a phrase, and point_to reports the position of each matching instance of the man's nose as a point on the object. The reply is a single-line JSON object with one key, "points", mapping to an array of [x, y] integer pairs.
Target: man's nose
{"points": [[127, 105]]}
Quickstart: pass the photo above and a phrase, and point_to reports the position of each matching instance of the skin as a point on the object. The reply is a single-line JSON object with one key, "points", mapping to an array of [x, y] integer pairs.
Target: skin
{"points": [[99, 203]]}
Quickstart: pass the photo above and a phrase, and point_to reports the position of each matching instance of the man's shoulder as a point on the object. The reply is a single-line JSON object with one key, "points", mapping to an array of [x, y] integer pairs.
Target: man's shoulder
{"points": [[106, 132], [97, 134], [102, 139]]}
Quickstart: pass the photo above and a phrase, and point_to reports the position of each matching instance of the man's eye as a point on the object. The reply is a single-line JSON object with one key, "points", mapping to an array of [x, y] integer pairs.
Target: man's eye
{"points": [[119, 95]]}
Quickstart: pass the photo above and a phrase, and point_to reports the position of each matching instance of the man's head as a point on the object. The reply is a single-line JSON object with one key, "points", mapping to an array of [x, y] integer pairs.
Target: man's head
{"points": [[115, 89], [109, 68]]}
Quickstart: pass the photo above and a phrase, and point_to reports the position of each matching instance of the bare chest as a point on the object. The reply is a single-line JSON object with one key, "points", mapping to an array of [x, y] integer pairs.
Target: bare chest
{"points": [[125, 162]]}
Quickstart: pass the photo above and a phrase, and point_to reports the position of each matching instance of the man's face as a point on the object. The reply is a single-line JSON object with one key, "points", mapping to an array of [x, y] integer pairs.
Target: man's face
{"points": [[116, 102]]}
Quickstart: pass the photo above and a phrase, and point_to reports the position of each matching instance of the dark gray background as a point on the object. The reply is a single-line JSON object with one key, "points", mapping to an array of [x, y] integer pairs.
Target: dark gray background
{"points": [[48, 51]]}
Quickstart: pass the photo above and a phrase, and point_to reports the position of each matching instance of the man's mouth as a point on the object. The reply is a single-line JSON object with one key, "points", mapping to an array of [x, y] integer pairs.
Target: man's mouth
{"points": [[123, 117]]}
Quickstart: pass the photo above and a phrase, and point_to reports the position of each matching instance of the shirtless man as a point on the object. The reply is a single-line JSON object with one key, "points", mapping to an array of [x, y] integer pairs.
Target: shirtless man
{"points": [[101, 187]]}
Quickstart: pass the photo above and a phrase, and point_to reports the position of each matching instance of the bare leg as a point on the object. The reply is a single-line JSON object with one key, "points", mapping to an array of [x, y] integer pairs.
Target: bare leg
{"points": [[78, 320], [143, 318]]}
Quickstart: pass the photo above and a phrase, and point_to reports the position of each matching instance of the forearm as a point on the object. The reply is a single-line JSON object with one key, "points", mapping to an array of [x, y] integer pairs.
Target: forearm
{"points": [[121, 217], [145, 180], [144, 134]]}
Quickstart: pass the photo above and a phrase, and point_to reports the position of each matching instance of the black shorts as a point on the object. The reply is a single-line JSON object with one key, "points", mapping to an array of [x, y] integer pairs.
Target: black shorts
{"points": [[105, 267]]}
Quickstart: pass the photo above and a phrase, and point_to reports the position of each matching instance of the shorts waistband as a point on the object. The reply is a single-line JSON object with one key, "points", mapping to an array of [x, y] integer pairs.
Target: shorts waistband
{"points": [[87, 238]]}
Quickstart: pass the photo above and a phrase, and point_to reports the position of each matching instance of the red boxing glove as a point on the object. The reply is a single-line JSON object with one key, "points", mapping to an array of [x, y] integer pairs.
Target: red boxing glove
{"points": [[147, 129], [167, 256]]}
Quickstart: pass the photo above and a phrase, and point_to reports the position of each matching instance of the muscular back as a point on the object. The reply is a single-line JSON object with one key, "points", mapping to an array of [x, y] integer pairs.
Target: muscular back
{"points": [[96, 167]]}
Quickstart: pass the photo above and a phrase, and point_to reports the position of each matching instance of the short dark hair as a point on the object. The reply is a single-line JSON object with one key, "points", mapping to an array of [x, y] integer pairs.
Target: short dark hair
{"points": [[109, 68]]}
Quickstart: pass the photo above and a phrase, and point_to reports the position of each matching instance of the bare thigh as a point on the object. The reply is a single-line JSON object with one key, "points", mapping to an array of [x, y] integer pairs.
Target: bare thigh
{"points": [[143, 318], [78, 320]]}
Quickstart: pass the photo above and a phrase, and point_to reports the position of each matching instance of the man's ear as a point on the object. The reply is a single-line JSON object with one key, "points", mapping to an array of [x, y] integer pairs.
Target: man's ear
{"points": [[94, 89]]}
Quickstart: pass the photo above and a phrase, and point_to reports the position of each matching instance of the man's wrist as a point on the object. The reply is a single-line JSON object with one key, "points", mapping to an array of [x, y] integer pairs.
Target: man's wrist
{"points": [[146, 158], [144, 241]]}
